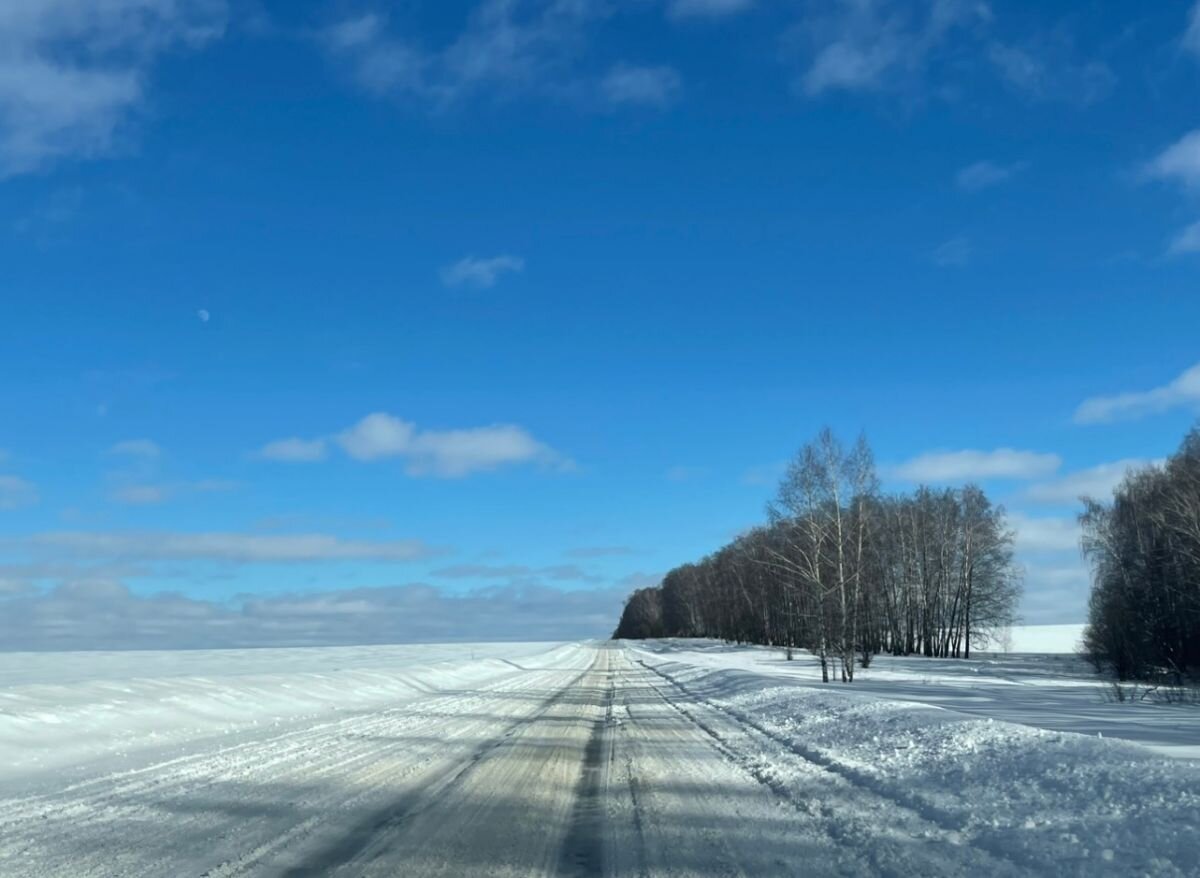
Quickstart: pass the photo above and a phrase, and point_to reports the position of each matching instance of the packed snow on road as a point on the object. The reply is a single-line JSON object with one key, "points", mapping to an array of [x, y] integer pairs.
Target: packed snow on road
{"points": [[679, 758]]}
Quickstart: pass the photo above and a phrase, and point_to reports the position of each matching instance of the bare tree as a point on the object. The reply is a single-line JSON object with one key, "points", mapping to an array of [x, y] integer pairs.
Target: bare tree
{"points": [[844, 571]]}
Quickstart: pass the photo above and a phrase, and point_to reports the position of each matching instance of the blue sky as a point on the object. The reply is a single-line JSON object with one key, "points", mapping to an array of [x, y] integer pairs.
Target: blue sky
{"points": [[332, 321]]}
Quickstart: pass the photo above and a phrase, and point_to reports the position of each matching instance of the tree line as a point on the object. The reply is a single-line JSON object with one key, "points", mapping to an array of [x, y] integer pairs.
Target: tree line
{"points": [[845, 571], [1144, 551]]}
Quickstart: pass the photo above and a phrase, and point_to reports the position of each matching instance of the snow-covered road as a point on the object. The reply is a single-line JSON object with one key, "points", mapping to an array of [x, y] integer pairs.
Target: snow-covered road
{"points": [[579, 759]]}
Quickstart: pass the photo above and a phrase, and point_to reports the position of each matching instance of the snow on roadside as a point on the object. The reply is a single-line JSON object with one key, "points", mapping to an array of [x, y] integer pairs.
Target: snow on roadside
{"points": [[1059, 693], [1089, 806], [80, 707]]}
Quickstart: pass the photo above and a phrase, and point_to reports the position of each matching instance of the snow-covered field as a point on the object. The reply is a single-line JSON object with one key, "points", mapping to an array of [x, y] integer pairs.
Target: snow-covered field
{"points": [[1039, 639], [1056, 691], [662, 758]]}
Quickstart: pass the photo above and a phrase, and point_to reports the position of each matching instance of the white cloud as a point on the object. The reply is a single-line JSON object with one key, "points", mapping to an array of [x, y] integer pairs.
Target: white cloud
{"points": [[140, 495], [98, 613], [1191, 37], [73, 71], [217, 546], [295, 450], [480, 273], [1045, 534], [146, 494], [968, 465], [444, 453], [1096, 482], [10, 587], [504, 47], [1047, 70], [982, 175], [866, 46], [144, 448], [453, 453], [1179, 162], [626, 84], [1182, 392], [1186, 241], [954, 253], [377, 436], [1055, 594], [707, 8], [16, 493]]}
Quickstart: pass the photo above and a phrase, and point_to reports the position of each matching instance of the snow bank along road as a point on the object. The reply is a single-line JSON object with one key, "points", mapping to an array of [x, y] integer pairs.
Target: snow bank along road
{"points": [[577, 759]]}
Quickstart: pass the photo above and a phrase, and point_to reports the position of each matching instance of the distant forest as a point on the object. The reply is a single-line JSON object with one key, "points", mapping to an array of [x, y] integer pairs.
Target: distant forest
{"points": [[848, 572]]}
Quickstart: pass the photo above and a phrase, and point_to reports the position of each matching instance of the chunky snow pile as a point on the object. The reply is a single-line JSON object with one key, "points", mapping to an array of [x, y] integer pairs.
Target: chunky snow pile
{"points": [[1091, 806]]}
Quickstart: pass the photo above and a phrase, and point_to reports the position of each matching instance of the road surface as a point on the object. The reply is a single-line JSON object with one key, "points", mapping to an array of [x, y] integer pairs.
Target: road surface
{"points": [[600, 765]]}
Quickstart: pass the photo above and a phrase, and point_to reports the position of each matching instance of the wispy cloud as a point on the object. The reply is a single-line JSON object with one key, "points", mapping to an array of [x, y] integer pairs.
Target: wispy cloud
{"points": [[871, 46], [143, 448], [1178, 163], [899, 46], [504, 48], [99, 613], [954, 253], [1048, 70], [651, 86], [969, 464], [295, 450], [439, 453], [149, 494], [1054, 593], [480, 273], [1045, 534], [1182, 392], [72, 72], [16, 493], [139, 495], [1191, 37], [217, 546], [1187, 240], [707, 8], [985, 174], [1096, 482]]}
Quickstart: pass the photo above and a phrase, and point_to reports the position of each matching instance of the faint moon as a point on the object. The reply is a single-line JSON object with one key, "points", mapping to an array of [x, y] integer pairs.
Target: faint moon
{"points": [[203, 315]]}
